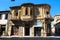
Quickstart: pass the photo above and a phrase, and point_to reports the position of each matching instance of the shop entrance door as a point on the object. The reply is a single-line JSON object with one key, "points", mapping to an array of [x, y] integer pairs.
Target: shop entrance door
{"points": [[37, 31]]}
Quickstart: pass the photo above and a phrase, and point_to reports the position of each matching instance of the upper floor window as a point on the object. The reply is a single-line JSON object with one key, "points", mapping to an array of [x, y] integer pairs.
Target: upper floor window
{"points": [[16, 14], [0, 16], [36, 12], [31, 12], [6, 16], [26, 11], [47, 14]]}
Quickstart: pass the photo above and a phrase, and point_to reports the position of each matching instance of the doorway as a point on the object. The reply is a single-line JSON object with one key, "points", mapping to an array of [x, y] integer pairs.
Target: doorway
{"points": [[27, 29], [2, 29], [37, 31], [15, 30]]}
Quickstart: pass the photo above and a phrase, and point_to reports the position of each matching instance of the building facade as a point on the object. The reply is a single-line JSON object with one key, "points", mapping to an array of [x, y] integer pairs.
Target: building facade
{"points": [[3, 21], [56, 19], [22, 20], [57, 25]]}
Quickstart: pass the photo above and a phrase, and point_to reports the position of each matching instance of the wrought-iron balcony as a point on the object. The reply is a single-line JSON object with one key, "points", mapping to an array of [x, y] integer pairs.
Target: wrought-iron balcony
{"points": [[26, 18]]}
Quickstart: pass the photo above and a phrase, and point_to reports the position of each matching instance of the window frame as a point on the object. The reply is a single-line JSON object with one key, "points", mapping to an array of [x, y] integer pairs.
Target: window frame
{"points": [[0, 16], [16, 13], [26, 11], [6, 16], [37, 11]]}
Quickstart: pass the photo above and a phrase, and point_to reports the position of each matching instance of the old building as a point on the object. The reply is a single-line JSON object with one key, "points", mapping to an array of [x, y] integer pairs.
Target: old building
{"points": [[3, 21], [56, 19], [22, 20], [57, 25]]}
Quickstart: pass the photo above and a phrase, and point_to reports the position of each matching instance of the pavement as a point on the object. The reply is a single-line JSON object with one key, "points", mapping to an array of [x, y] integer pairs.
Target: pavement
{"points": [[31, 38]]}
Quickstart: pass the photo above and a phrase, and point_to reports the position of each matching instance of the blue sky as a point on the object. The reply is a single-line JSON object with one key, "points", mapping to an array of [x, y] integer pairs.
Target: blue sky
{"points": [[55, 4]]}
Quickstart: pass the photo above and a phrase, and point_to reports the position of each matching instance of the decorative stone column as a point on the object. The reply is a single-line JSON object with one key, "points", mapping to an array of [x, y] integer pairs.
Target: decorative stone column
{"points": [[9, 28], [31, 30], [46, 28], [43, 29], [6, 28]]}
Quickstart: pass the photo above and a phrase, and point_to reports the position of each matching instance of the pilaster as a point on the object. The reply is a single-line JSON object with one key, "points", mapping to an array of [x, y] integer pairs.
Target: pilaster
{"points": [[32, 31], [9, 28]]}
